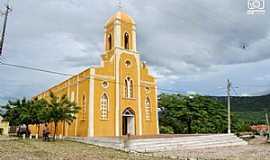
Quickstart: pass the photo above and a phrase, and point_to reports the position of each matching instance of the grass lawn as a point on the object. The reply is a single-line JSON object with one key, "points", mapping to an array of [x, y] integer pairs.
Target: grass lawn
{"points": [[60, 150]]}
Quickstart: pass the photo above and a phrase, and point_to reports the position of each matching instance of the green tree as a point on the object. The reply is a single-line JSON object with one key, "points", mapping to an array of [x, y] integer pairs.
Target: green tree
{"points": [[60, 109], [12, 112], [20, 112], [40, 112], [192, 114]]}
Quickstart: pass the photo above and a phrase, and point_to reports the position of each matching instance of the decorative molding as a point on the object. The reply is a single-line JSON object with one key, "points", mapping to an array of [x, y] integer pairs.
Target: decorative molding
{"points": [[148, 83], [105, 85], [103, 77], [126, 51]]}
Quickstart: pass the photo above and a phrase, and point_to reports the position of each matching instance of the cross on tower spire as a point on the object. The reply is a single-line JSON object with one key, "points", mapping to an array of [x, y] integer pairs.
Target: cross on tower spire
{"points": [[119, 4]]}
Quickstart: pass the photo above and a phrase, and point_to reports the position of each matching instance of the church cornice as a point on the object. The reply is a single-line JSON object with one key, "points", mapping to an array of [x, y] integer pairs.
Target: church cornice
{"points": [[127, 51]]}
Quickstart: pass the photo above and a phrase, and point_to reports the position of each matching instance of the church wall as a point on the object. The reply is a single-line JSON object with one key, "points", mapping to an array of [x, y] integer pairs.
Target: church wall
{"points": [[83, 119], [104, 127], [74, 88], [106, 70], [148, 84], [60, 91], [72, 97], [145, 76], [149, 126], [104, 74]]}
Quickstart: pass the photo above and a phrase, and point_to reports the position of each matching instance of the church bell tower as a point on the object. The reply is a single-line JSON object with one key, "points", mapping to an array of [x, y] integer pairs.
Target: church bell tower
{"points": [[120, 32]]}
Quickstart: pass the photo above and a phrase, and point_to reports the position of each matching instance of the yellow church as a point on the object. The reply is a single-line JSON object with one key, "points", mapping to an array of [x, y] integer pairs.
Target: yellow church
{"points": [[117, 98]]}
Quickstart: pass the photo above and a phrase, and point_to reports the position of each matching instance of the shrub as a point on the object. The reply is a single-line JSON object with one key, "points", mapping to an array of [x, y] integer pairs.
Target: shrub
{"points": [[166, 130]]}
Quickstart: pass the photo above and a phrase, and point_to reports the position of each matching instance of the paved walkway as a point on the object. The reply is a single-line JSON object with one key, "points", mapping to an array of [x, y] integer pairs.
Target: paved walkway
{"points": [[248, 152]]}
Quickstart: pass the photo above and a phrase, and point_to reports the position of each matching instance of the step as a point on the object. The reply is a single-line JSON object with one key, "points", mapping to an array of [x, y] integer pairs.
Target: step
{"points": [[184, 139], [173, 147], [184, 142]]}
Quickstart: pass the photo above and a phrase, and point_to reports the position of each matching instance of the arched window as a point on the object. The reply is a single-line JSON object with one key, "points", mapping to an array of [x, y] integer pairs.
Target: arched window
{"points": [[109, 41], [147, 109], [128, 88], [126, 41], [104, 103], [83, 107]]}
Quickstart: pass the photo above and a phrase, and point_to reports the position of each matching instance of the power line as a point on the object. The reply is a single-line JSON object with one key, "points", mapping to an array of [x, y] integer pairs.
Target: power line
{"points": [[233, 89], [66, 74], [34, 69]]}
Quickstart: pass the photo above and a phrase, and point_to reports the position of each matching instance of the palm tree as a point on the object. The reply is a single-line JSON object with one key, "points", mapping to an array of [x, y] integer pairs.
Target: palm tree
{"points": [[40, 112], [61, 110]]}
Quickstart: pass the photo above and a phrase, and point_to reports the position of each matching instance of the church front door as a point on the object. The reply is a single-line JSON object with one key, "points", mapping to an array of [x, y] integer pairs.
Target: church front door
{"points": [[128, 126]]}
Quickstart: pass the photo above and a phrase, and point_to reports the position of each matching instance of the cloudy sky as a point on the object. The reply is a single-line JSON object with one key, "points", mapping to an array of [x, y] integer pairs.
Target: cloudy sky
{"points": [[192, 46]]}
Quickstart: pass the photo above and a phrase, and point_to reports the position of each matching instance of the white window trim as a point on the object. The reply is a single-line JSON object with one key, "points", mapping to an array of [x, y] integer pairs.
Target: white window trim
{"points": [[102, 117], [84, 107], [129, 94], [147, 109]]}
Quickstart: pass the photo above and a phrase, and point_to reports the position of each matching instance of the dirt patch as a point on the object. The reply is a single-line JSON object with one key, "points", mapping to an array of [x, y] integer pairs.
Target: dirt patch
{"points": [[66, 150], [61, 150]]}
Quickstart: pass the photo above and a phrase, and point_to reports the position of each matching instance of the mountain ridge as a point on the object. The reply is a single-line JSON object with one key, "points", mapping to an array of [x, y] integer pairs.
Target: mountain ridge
{"points": [[248, 108]]}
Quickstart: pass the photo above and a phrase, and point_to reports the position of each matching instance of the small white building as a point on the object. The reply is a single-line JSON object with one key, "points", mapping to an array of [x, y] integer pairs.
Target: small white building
{"points": [[4, 127]]}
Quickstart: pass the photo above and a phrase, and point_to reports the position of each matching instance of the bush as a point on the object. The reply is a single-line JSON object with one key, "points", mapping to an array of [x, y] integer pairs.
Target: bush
{"points": [[166, 130]]}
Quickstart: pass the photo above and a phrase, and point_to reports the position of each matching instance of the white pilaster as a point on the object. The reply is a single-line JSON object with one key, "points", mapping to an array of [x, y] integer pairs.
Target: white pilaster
{"points": [[117, 93], [157, 117], [91, 103], [134, 39], [78, 103], [105, 39], [68, 96], [117, 33], [139, 93]]}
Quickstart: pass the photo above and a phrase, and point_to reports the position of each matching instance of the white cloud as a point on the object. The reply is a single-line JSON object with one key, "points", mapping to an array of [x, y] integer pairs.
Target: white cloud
{"points": [[189, 44]]}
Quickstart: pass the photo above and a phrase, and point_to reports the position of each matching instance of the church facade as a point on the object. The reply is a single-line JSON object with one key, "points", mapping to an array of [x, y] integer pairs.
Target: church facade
{"points": [[117, 98]]}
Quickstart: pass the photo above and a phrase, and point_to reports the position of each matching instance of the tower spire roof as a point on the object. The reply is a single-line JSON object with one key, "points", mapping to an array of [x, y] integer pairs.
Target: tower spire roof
{"points": [[122, 16]]}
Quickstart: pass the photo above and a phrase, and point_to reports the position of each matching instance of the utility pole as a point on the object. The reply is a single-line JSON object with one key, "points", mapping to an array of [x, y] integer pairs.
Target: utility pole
{"points": [[4, 29], [229, 84], [268, 127]]}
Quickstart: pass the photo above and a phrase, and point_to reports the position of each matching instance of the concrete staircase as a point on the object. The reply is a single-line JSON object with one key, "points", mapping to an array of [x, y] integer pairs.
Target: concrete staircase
{"points": [[184, 143], [156, 144]]}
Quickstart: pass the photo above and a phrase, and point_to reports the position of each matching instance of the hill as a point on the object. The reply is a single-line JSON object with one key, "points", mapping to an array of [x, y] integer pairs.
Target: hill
{"points": [[251, 108]]}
